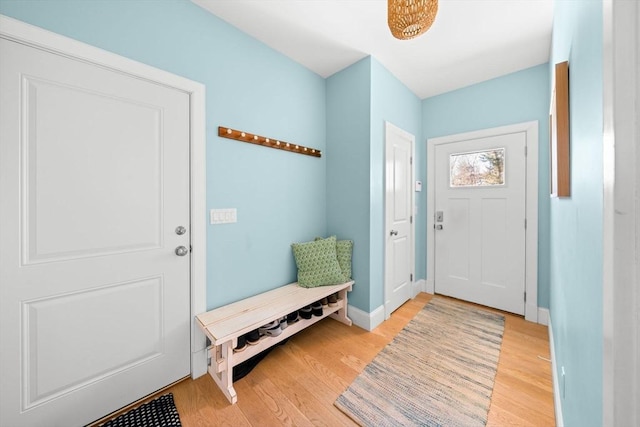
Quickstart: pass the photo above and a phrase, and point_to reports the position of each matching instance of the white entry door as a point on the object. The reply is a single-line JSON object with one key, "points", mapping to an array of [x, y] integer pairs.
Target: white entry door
{"points": [[480, 187], [398, 218], [94, 301]]}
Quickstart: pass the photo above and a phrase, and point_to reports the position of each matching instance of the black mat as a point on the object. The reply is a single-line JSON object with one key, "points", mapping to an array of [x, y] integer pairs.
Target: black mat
{"points": [[160, 412]]}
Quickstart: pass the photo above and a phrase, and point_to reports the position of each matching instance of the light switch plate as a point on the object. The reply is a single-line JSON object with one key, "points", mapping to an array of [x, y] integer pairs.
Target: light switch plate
{"points": [[223, 216]]}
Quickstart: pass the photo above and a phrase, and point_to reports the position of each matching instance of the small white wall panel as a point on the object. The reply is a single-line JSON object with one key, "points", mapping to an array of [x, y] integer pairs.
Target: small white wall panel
{"points": [[494, 243], [400, 180], [459, 229], [401, 258], [73, 340], [83, 161]]}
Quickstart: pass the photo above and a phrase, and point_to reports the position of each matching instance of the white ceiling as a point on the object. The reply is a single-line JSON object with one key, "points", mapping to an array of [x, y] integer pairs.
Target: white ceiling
{"points": [[469, 42]]}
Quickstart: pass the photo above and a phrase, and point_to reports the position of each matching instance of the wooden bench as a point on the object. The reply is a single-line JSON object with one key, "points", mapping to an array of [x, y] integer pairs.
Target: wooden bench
{"points": [[225, 324]]}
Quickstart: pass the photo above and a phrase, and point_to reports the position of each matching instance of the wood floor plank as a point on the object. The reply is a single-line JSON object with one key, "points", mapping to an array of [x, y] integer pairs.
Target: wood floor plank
{"points": [[297, 383], [315, 409], [200, 403], [276, 401], [253, 407], [322, 373], [510, 407]]}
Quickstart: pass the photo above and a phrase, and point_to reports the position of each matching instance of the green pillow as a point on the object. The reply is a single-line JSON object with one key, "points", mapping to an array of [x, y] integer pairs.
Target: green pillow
{"points": [[344, 251], [317, 263]]}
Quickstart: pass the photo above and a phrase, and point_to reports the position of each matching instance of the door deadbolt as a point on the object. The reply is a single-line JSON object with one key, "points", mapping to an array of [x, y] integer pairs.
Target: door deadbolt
{"points": [[180, 230]]}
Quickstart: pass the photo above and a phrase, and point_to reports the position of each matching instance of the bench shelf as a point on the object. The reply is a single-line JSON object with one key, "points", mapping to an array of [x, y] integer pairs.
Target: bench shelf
{"points": [[225, 324]]}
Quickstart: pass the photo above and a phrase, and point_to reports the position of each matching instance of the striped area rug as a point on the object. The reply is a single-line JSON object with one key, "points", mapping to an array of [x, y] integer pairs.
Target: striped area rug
{"points": [[438, 371]]}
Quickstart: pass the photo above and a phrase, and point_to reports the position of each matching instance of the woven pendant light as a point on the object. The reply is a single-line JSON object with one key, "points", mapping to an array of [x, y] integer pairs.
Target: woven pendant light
{"points": [[410, 18]]}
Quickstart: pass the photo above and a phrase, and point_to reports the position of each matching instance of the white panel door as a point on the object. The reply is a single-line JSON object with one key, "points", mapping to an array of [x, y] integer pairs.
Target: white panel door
{"points": [[480, 198], [94, 302], [398, 218]]}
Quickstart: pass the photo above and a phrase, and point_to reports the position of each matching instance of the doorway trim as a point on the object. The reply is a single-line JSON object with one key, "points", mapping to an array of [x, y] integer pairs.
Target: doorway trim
{"points": [[621, 214], [531, 201], [37, 37], [391, 128]]}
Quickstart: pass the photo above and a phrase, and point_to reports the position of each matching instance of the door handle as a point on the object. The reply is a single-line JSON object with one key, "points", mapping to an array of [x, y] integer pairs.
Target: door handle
{"points": [[439, 227], [393, 233], [181, 251]]}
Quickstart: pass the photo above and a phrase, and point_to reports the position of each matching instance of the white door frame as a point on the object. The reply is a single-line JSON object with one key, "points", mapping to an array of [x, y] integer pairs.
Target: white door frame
{"points": [[37, 37], [390, 127], [531, 233], [621, 214]]}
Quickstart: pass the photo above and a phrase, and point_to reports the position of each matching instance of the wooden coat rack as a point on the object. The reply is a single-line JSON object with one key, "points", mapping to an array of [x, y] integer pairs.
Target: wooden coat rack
{"points": [[251, 138]]}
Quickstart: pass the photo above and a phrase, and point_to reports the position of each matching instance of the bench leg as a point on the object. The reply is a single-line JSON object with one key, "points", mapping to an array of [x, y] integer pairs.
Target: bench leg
{"points": [[221, 370], [341, 315]]}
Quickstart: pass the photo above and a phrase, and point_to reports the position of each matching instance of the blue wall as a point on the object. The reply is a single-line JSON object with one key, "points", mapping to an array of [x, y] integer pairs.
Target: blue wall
{"points": [[393, 102], [280, 196], [576, 222], [515, 98], [360, 99], [348, 136]]}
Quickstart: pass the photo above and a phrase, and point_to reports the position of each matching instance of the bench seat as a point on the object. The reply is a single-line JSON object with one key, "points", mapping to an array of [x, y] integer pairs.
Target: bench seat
{"points": [[225, 324]]}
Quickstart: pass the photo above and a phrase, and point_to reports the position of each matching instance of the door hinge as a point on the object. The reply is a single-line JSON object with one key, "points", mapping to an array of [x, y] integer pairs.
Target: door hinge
{"points": [[411, 219], [410, 160], [525, 151], [411, 277], [525, 223], [525, 296]]}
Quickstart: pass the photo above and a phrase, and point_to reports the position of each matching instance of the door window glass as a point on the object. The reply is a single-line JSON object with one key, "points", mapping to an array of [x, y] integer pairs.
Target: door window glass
{"points": [[477, 169]]}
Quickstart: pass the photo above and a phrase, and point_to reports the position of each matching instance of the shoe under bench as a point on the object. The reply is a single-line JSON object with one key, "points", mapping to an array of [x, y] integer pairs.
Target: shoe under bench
{"points": [[225, 324]]}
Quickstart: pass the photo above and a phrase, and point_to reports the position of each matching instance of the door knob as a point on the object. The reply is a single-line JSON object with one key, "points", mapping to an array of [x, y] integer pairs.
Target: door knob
{"points": [[180, 230], [393, 233], [181, 251]]}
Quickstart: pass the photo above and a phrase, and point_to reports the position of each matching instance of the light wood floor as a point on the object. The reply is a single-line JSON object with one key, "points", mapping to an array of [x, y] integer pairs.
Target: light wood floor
{"points": [[297, 383]]}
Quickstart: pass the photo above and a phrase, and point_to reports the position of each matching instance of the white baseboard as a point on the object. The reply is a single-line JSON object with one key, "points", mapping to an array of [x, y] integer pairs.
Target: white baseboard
{"points": [[531, 312], [429, 286], [557, 401], [198, 363], [367, 321], [543, 316], [418, 287]]}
